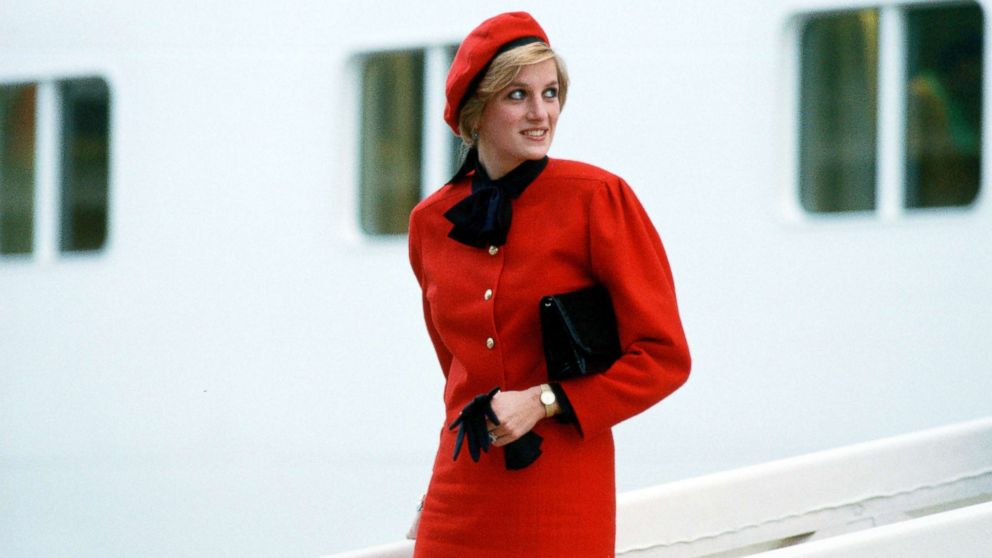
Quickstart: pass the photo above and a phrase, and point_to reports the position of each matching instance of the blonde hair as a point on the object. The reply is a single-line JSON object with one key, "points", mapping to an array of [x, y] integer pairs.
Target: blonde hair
{"points": [[501, 73]]}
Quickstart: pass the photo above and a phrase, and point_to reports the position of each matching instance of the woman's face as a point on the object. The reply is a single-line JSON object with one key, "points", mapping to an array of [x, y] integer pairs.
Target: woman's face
{"points": [[518, 123]]}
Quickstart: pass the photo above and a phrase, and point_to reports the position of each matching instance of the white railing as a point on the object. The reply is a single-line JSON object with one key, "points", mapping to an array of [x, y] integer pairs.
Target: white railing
{"points": [[814, 496], [802, 499], [960, 533]]}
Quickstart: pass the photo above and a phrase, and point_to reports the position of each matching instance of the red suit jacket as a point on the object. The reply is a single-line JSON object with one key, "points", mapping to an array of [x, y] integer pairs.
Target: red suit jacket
{"points": [[575, 225]]}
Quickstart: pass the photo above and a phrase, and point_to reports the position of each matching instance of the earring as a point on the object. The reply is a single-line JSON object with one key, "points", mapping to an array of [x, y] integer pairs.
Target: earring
{"points": [[475, 135]]}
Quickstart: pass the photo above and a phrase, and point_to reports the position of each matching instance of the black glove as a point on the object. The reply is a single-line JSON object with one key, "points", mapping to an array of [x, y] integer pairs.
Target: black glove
{"points": [[523, 451], [472, 425]]}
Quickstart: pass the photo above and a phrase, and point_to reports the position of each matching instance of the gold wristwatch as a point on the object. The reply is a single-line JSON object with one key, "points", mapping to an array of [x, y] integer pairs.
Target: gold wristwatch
{"points": [[548, 400]]}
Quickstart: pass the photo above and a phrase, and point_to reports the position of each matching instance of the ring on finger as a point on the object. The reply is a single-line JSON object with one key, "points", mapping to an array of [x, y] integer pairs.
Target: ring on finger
{"points": [[493, 437]]}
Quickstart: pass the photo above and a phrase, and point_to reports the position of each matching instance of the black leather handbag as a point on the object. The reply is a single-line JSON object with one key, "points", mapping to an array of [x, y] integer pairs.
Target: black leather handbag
{"points": [[579, 331]]}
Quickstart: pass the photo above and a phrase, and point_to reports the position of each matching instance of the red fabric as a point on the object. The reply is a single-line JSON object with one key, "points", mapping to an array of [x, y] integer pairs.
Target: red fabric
{"points": [[574, 226], [478, 49]]}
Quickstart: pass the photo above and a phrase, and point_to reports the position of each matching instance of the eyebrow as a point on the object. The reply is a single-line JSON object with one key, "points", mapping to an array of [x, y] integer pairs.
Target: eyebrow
{"points": [[521, 84]]}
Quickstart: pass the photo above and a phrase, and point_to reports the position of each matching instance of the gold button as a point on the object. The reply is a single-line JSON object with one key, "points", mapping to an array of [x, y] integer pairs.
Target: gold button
{"points": [[490, 342], [493, 250], [488, 295]]}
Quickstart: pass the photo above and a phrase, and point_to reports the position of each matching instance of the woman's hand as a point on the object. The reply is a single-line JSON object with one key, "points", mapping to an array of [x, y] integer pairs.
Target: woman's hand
{"points": [[518, 412]]}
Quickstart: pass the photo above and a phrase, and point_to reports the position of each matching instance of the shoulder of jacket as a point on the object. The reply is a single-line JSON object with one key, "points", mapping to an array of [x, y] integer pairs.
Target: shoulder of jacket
{"points": [[577, 172], [444, 193]]}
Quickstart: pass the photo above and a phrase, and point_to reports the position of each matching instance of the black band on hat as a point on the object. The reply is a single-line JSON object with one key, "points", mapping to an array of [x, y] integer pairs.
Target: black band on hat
{"points": [[512, 45], [474, 84]]}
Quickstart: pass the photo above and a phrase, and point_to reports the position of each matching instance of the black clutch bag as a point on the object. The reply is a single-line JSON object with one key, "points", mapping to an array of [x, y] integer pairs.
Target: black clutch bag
{"points": [[579, 331]]}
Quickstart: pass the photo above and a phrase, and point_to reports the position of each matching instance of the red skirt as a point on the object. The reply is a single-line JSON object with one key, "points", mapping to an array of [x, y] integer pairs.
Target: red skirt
{"points": [[563, 504]]}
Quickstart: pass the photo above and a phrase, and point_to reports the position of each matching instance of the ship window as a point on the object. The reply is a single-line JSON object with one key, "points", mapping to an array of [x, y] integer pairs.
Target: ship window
{"points": [[54, 166], [405, 147], [17, 153], [838, 105], [456, 149], [391, 150], [85, 105], [944, 105], [890, 108]]}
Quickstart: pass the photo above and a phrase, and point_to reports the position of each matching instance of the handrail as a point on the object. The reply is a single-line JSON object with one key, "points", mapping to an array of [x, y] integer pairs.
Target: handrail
{"points": [[810, 496], [961, 533]]}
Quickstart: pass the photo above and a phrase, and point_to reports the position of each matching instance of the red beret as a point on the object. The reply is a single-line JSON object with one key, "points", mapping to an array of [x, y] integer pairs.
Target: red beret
{"points": [[478, 49]]}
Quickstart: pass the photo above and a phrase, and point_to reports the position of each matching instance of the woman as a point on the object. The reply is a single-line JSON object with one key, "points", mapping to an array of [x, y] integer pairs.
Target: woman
{"points": [[573, 225]]}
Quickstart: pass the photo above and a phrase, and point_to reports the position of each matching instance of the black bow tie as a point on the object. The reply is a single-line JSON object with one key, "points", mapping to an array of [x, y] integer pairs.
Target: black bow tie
{"points": [[483, 218]]}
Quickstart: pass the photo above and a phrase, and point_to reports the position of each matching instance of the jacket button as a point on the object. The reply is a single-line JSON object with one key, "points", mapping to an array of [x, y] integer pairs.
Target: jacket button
{"points": [[488, 295], [490, 342], [493, 250]]}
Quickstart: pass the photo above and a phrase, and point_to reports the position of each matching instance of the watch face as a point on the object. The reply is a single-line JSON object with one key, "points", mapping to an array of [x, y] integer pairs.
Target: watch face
{"points": [[548, 397]]}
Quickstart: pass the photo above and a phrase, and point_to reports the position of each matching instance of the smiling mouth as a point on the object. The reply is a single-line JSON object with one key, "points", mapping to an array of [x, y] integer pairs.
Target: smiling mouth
{"points": [[535, 133]]}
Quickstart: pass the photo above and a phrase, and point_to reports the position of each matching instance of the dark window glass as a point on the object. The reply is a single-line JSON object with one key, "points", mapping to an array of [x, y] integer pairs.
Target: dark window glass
{"points": [[17, 149], [392, 130], [944, 105], [457, 151], [85, 105], [838, 106]]}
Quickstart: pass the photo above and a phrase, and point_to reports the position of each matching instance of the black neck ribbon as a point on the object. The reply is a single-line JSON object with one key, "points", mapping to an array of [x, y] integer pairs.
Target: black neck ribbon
{"points": [[483, 218]]}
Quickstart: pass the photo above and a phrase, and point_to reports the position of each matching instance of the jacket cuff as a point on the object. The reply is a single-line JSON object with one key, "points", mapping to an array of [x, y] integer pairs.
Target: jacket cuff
{"points": [[566, 414]]}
